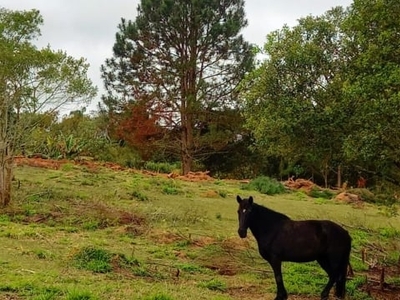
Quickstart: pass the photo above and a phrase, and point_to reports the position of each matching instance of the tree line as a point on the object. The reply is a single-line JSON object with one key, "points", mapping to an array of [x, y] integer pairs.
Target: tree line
{"points": [[318, 100]]}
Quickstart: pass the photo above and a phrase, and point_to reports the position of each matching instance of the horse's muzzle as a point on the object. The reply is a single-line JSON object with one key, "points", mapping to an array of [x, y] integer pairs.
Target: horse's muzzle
{"points": [[242, 233]]}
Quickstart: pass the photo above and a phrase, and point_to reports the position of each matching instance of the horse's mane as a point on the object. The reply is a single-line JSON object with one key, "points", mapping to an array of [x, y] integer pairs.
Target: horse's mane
{"points": [[269, 214]]}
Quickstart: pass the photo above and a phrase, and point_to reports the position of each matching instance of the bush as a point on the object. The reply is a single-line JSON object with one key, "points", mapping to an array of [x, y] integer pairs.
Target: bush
{"points": [[101, 261], [171, 188], [123, 156], [93, 259], [318, 193], [365, 195], [265, 185], [161, 167]]}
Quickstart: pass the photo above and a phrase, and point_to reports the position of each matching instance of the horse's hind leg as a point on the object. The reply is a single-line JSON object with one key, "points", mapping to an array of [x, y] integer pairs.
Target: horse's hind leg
{"points": [[340, 290], [341, 278], [325, 264]]}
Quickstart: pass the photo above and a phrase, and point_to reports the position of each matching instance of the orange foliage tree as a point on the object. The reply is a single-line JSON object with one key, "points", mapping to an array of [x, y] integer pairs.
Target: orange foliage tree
{"points": [[139, 128]]}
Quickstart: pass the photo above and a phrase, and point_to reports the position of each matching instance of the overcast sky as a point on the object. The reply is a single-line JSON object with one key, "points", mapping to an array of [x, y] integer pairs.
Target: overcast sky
{"points": [[86, 28]]}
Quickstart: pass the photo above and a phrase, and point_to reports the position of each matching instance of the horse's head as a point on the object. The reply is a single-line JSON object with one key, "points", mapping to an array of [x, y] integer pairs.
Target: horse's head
{"points": [[244, 211]]}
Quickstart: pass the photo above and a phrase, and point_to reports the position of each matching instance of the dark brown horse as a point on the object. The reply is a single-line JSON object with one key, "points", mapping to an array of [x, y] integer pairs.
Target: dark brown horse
{"points": [[281, 239]]}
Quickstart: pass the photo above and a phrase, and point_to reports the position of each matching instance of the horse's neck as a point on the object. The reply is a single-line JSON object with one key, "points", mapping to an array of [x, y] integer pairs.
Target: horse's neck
{"points": [[264, 221]]}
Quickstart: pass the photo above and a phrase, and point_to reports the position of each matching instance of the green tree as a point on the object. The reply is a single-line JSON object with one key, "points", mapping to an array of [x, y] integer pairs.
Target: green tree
{"points": [[31, 81], [293, 101], [180, 61], [373, 87]]}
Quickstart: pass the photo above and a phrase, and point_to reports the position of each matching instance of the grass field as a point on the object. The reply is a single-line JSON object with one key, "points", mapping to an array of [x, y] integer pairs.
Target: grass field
{"points": [[82, 233]]}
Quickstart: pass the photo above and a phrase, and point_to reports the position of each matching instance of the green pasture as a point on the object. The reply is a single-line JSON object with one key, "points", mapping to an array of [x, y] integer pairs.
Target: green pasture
{"points": [[81, 233]]}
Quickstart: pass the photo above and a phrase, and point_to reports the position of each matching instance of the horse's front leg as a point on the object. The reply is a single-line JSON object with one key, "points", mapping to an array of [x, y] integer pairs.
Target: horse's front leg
{"points": [[281, 293]]}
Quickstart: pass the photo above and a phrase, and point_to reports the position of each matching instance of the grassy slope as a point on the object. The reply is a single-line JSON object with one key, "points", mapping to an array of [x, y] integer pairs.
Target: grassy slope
{"points": [[160, 227]]}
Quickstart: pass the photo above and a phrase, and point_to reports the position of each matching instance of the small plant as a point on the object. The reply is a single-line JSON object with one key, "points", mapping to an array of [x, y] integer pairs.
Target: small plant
{"points": [[101, 261], [159, 297], [42, 254], [139, 196], [301, 196], [171, 188], [48, 294], [67, 167], [91, 225], [389, 211], [389, 232], [222, 194], [190, 268], [214, 285], [352, 287], [218, 216], [93, 259], [79, 295]]}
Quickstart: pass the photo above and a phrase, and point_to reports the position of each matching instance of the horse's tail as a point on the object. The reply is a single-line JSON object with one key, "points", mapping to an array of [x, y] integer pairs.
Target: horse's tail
{"points": [[342, 275]]}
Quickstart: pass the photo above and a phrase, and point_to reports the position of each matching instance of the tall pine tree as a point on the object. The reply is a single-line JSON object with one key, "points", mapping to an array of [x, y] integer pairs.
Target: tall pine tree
{"points": [[180, 62]]}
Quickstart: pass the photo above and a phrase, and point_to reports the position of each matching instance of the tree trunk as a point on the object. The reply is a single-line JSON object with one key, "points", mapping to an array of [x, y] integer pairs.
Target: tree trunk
{"points": [[186, 145], [339, 177], [189, 98], [325, 174], [5, 154], [5, 174]]}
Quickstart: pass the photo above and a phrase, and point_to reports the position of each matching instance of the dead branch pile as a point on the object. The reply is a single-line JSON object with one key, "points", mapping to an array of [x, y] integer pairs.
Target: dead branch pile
{"points": [[347, 197], [300, 184]]}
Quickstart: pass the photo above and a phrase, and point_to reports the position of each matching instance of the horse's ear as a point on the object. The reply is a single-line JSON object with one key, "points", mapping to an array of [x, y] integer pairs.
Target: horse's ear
{"points": [[251, 200], [238, 199]]}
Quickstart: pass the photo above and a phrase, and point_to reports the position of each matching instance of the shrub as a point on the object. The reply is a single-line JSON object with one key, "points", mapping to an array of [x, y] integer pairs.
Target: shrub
{"points": [[318, 193], [265, 185], [161, 167], [365, 194], [101, 261], [171, 188], [93, 259], [123, 156]]}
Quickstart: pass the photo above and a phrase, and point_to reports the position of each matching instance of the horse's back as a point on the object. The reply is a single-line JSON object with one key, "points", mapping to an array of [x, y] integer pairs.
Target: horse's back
{"points": [[307, 240], [336, 232]]}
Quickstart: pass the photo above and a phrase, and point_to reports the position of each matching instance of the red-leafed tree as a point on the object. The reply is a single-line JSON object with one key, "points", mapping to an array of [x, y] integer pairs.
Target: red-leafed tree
{"points": [[139, 128]]}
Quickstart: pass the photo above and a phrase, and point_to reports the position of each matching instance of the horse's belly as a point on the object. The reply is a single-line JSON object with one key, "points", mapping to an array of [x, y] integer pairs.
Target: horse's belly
{"points": [[299, 259], [300, 254]]}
